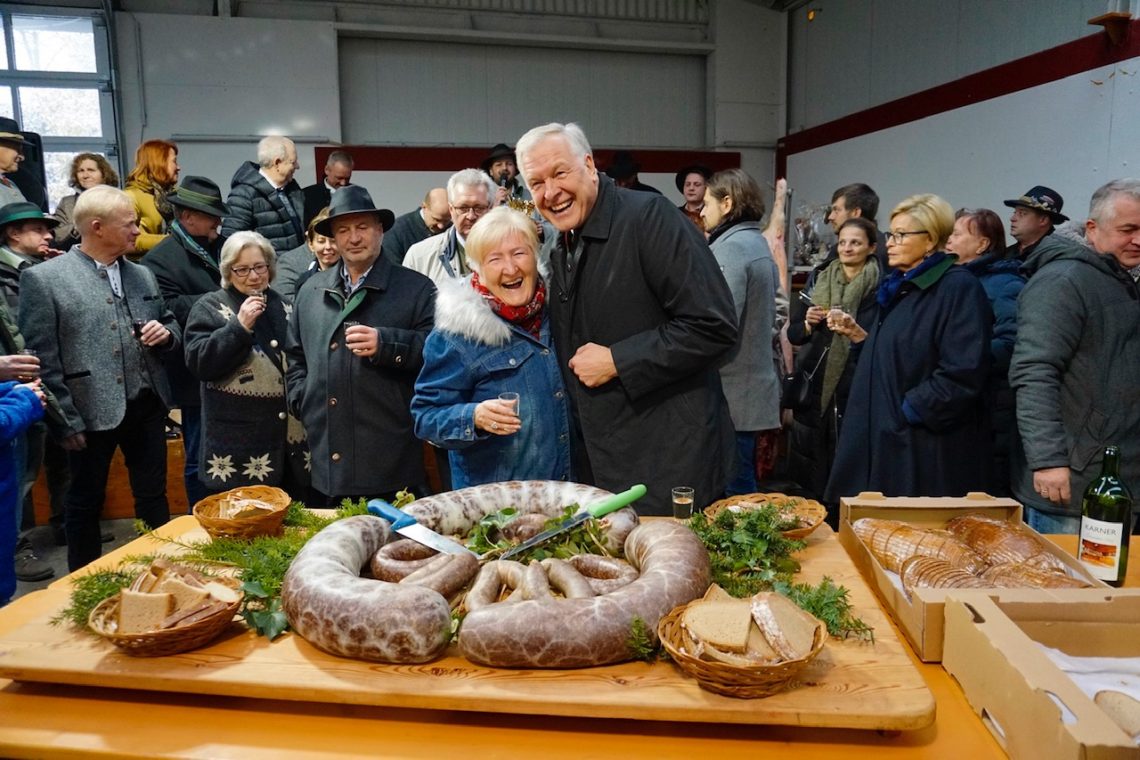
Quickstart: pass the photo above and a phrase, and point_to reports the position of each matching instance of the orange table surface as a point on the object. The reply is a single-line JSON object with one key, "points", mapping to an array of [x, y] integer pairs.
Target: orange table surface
{"points": [[39, 720]]}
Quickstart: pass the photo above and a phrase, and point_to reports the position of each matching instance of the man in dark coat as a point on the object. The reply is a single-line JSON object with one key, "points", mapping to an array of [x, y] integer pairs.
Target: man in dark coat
{"points": [[355, 346], [1075, 362], [431, 218], [185, 264], [1034, 216], [338, 174], [642, 318], [265, 198]]}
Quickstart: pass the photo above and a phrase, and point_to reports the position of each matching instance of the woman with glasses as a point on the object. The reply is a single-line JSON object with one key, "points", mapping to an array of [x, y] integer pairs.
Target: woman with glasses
{"points": [[916, 422], [234, 344], [733, 207], [848, 283]]}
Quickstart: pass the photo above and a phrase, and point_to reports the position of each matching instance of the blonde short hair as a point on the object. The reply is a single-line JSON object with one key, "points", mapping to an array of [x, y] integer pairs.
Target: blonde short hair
{"points": [[237, 243], [99, 202], [934, 215], [496, 226]]}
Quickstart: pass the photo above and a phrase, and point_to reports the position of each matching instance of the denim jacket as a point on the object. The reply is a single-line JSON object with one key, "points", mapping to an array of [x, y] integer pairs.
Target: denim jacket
{"points": [[472, 355]]}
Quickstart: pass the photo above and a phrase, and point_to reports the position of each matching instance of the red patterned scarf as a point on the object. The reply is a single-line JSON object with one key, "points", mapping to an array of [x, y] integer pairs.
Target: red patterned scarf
{"points": [[528, 316]]}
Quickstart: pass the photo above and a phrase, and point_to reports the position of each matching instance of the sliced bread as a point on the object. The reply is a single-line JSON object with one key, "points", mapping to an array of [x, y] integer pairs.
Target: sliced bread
{"points": [[140, 611], [789, 630], [1123, 709], [185, 595], [723, 625], [222, 592]]}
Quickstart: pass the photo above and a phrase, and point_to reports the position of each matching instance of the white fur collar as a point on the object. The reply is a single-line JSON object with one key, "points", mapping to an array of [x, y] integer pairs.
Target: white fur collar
{"points": [[462, 311]]}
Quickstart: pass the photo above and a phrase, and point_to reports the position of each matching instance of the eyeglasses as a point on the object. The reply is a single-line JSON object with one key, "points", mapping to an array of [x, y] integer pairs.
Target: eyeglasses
{"points": [[243, 272], [465, 210], [900, 237]]}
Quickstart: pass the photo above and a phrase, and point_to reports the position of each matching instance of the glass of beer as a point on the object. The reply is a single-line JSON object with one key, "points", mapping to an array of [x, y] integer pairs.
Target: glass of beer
{"points": [[682, 502]]}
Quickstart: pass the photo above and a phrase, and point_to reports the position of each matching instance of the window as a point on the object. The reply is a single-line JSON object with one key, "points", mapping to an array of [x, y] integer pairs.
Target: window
{"points": [[55, 80]]}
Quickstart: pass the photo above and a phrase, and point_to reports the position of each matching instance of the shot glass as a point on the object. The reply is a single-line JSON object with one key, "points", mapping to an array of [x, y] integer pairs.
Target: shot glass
{"points": [[682, 502], [28, 352], [137, 326], [836, 317], [512, 399], [259, 295]]}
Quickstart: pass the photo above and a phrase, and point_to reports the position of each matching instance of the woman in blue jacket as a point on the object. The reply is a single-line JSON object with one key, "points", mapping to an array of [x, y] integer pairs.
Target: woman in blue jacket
{"points": [[492, 335], [20, 406]]}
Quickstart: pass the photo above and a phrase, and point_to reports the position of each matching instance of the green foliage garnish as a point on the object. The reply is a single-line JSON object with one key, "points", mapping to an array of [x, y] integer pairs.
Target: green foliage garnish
{"points": [[484, 537], [747, 551], [829, 603], [91, 589], [748, 554], [262, 611], [640, 643]]}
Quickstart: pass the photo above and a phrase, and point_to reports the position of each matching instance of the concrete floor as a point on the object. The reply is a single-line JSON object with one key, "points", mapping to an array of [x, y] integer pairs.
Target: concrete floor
{"points": [[44, 546]]}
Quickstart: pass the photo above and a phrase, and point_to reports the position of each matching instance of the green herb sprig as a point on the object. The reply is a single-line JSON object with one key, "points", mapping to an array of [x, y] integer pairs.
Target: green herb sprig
{"points": [[90, 590], [640, 643], [829, 603]]}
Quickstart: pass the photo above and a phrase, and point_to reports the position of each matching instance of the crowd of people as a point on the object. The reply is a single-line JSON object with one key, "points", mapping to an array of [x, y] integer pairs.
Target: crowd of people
{"points": [[539, 319]]}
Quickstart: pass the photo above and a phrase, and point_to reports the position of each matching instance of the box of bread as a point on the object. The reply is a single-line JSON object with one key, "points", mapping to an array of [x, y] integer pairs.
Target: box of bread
{"points": [[1048, 678], [914, 551]]}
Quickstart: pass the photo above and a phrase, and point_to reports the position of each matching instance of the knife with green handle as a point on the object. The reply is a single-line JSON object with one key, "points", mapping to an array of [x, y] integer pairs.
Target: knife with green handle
{"points": [[595, 510]]}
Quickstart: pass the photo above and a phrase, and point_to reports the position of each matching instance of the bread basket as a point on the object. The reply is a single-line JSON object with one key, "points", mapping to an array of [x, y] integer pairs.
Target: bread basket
{"points": [[810, 513], [104, 620], [744, 682], [269, 524]]}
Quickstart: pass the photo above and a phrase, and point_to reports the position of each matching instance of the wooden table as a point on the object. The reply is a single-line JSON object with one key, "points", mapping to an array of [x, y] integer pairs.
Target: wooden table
{"points": [[66, 721]]}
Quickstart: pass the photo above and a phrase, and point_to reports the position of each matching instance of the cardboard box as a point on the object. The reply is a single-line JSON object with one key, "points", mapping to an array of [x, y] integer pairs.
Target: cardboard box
{"points": [[991, 650], [921, 616]]}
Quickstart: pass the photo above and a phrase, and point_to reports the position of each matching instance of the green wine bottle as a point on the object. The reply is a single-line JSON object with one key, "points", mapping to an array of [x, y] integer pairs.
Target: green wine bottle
{"points": [[1106, 522]]}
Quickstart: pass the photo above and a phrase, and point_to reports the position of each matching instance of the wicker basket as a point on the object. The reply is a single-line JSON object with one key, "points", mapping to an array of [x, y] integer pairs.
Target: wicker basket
{"points": [[744, 682], [104, 620], [810, 513], [268, 524]]}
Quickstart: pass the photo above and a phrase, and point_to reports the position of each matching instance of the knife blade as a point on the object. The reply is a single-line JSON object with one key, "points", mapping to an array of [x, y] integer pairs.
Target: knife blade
{"points": [[406, 526], [595, 510]]}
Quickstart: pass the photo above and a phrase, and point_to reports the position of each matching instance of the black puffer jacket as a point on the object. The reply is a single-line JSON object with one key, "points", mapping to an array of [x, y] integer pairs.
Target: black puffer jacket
{"points": [[255, 205]]}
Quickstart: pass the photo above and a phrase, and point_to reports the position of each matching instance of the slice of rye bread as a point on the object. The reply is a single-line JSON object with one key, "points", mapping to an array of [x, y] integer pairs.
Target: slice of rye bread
{"points": [[789, 630], [140, 612], [185, 595], [1122, 708], [723, 625], [717, 594]]}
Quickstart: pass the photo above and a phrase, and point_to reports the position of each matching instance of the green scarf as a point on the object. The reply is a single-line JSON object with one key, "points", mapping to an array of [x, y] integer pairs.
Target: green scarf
{"points": [[833, 289]]}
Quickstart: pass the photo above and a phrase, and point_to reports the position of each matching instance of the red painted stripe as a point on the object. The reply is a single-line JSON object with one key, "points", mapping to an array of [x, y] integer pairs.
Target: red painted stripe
{"points": [[425, 159], [1036, 69]]}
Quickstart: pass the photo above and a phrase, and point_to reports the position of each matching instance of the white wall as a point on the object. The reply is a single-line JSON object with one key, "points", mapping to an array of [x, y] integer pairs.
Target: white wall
{"points": [[857, 54], [1072, 135], [219, 83]]}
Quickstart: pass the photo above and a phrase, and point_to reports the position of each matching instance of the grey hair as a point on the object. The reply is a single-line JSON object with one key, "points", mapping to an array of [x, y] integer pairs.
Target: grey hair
{"points": [[272, 148], [572, 133], [339, 157], [471, 178], [1102, 208], [235, 244], [99, 202]]}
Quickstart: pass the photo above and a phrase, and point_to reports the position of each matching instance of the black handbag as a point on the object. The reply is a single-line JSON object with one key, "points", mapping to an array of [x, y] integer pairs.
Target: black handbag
{"points": [[796, 391]]}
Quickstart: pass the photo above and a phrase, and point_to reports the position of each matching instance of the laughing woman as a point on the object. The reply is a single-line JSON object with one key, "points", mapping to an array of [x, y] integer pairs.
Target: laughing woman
{"points": [[492, 335], [916, 422]]}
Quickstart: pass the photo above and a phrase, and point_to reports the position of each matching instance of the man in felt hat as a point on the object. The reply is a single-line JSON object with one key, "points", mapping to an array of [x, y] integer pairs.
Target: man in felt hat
{"points": [[470, 195], [431, 218], [12, 144], [691, 181], [185, 264], [100, 329], [25, 240], [338, 174], [1034, 215], [355, 346], [641, 317], [623, 171], [502, 167]]}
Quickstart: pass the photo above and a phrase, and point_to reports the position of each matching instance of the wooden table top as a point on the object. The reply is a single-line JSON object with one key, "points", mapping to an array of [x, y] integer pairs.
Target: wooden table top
{"points": [[38, 720]]}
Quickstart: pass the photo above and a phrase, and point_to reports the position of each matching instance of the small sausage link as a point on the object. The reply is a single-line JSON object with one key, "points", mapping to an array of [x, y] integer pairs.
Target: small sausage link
{"points": [[564, 577]]}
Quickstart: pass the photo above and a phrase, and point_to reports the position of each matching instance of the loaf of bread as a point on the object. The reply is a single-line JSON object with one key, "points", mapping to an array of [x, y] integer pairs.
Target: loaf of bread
{"points": [[1026, 575], [1002, 542], [931, 572], [893, 542]]}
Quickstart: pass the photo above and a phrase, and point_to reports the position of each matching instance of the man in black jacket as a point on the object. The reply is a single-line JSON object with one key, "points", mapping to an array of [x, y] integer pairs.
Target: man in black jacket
{"points": [[431, 218], [185, 265], [265, 198], [338, 174], [642, 318]]}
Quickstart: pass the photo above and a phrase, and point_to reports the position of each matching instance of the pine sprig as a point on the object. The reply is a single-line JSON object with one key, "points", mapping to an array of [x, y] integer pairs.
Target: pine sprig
{"points": [[829, 603], [90, 590]]}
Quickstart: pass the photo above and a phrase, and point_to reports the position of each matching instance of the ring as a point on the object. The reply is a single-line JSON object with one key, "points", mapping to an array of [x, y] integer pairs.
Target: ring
{"points": [[494, 426]]}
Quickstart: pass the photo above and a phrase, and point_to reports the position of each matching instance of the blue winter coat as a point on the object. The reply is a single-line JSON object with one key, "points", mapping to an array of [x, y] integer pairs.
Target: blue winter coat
{"points": [[929, 351], [473, 355], [19, 408]]}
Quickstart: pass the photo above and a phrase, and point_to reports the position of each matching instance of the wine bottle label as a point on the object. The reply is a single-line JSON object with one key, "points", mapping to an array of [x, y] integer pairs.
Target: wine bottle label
{"points": [[1099, 551]]}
